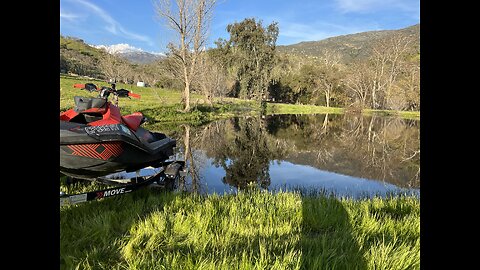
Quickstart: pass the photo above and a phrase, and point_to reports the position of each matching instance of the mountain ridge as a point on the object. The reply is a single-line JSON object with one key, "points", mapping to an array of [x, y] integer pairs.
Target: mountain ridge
{"points": [[133, 54], [349, 46]]}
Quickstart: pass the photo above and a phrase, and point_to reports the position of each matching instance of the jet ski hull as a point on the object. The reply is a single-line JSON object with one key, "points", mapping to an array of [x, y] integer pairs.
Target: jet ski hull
{"points": [[93, 151]]}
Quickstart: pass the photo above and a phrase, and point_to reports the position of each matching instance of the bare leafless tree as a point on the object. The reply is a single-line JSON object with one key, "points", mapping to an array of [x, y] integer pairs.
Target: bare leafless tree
{"points": [[411, 87], [109, 65], [211, 78], [386, 65], [358, 82], [125, 71], [377, 80], [190, 20], [330, 74], [330, 58]]}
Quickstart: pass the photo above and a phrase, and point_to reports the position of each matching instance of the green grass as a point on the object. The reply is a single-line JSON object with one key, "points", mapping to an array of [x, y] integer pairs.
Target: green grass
{"points": [[152, 229], [415, 115], [163, 105], [160, 105], [280, 108], [150, 97]]}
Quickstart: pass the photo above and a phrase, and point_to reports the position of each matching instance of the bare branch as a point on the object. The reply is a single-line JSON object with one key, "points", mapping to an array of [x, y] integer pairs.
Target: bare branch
{"points": [[190, 19]]}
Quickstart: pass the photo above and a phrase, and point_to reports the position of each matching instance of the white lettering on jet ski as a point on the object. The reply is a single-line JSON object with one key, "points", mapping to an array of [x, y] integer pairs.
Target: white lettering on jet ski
{"points": [[100, 129], [113, 192]]}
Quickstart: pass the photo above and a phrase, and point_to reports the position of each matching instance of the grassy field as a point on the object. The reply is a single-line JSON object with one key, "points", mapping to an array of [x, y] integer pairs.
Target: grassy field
{"points": [[415, 115], [163, 105], [153, 229], [280, 108], [160, 105]]}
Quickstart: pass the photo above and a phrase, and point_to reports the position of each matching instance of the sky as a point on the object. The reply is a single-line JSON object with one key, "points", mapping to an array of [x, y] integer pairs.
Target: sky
{"points": [[134, 22]]}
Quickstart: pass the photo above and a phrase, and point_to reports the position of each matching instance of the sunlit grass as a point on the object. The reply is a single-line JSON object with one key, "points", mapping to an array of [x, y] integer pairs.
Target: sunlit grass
{"points": [[164, 105], [152, 229], [159, 105], [280, 108], [150, 97], [414, 115]]}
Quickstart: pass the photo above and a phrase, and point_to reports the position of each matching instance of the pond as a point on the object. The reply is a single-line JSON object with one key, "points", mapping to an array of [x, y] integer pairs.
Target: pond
{"points": [[348, 155]]}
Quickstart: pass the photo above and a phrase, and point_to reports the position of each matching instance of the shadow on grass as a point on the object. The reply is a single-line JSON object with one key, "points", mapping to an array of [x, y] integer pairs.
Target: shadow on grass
{"points": [[327, 240], [263, 239], [91, 233]]}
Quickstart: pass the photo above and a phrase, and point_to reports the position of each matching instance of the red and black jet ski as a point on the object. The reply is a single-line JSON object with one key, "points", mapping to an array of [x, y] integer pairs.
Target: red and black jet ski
{"points": [[96, 140]]}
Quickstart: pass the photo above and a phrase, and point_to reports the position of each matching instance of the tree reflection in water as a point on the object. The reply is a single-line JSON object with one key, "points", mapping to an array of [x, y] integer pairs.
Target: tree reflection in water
{"points": [[372, 147]]}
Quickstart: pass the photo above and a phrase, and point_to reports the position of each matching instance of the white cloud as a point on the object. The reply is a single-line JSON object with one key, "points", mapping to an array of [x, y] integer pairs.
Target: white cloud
{"points": [[68, 16], [112, 25], [363, 6]]}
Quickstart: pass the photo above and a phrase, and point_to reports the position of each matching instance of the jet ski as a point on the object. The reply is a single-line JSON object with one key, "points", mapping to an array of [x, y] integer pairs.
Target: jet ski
{"points": [[96, 140]]}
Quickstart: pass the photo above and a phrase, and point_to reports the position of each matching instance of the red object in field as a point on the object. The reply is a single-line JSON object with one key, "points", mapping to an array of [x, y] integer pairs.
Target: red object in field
{"points": [[79, 85], [133, 95]]}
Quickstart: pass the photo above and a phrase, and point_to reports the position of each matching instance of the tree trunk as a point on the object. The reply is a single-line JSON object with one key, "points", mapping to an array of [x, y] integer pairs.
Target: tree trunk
{"points": [[327, 98], [325, 123], [374, 101], [186, 94]]}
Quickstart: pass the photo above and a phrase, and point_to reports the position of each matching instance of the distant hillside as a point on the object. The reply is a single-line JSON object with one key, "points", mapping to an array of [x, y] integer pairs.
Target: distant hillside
{"points": [[78, 57], [78, 45], [353, 46]]}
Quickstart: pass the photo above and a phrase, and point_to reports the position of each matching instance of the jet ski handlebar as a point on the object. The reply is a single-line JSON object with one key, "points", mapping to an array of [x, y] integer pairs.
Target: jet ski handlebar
{"points": [[106, 91]]}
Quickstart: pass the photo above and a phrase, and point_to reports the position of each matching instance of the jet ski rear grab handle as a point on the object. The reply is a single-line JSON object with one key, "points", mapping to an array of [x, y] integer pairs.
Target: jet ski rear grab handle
{"points": [[171, 171]]}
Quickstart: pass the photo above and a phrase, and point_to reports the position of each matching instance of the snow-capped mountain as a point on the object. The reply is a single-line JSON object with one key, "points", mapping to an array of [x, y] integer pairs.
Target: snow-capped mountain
{"points": [[131, 53]]}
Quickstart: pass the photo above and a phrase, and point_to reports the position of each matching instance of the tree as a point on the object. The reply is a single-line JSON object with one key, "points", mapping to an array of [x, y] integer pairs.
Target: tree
{"points": [[211, 78], [386, 61], [190, 20], [280, 90], [412, 87], [330, 74], [376, 81], [110, 66], [357, 82], [125, 71], [253, 50]]}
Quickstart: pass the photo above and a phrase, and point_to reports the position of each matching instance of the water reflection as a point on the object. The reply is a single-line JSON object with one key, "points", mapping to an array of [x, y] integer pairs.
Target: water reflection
{"points": [[341, 153]]}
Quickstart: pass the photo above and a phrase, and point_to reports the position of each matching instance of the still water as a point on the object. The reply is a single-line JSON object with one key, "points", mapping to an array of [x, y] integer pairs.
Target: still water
{"points": [[348, 155]]}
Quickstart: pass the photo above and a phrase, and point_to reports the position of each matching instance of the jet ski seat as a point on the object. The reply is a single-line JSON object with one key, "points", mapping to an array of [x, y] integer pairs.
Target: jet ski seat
{"points": [[89, 109], [84, 104]]}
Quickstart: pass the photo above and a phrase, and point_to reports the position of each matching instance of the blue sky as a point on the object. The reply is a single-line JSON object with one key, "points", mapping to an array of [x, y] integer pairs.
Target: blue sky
{"points": [[134, 22]]}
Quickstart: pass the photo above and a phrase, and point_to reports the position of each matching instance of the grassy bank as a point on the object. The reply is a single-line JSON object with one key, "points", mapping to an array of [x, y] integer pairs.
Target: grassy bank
{"points": [[280, 108], [161, 105], [252, 230], [415, 115], [164, 105]]}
